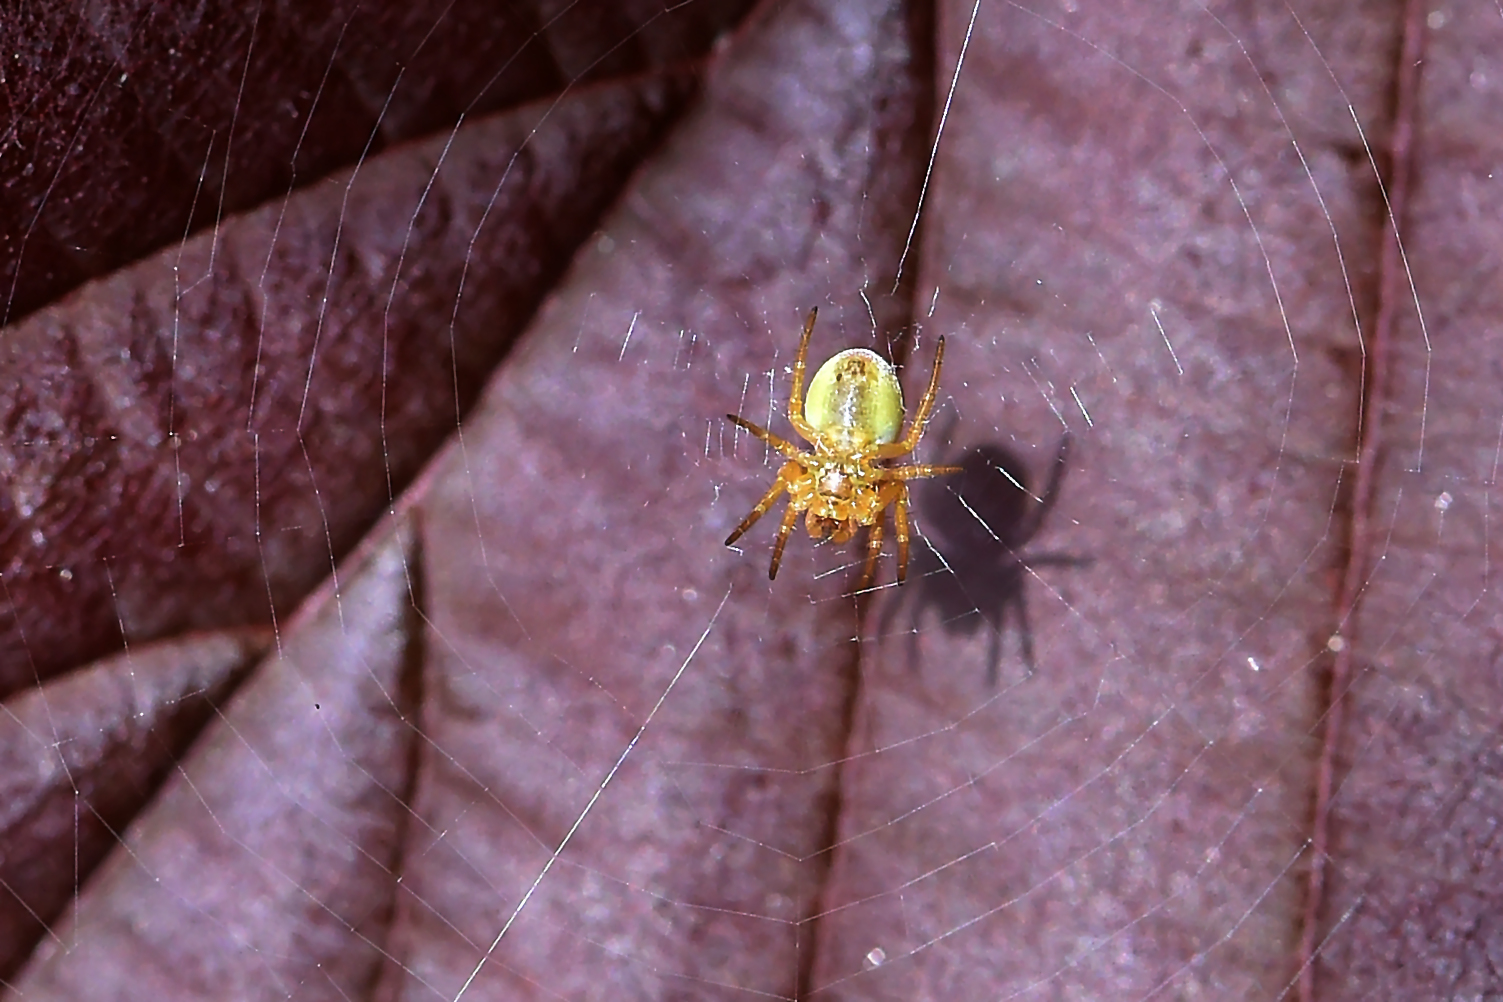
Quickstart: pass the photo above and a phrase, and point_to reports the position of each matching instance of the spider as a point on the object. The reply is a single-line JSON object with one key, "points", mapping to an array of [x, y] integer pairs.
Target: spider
{"points": [[852, 417], [984, 527]]}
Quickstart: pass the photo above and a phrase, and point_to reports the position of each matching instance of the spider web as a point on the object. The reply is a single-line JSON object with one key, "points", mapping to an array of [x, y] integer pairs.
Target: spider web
{"points": [[1192, 689]]}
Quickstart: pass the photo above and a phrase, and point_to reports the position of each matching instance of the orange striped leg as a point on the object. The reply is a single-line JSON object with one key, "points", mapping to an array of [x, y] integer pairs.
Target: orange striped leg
{"points": [[796, 394], [782, 445], [910, 441], [778, 486], [900, 521], [873, 551], [915, 472], [789, 517]]}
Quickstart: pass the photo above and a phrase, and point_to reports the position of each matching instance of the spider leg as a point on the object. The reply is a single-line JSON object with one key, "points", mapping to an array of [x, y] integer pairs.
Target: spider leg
{"points": [[784, 446], [895, 494], [900, 522], [789, 517], [910, 441], [778, 486], [796, 396], [873, 551], [914, 472]]}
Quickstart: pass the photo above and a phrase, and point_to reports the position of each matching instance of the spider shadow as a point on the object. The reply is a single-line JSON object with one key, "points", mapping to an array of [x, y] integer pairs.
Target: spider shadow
{"points": [[972, 566]]}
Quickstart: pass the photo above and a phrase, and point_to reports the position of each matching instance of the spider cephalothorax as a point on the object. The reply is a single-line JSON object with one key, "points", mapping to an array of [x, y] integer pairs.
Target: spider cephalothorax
{"points": [[852, 417]]}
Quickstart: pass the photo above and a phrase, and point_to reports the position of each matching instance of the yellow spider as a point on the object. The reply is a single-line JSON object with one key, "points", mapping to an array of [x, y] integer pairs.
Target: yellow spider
{"points": [[852, 417]]}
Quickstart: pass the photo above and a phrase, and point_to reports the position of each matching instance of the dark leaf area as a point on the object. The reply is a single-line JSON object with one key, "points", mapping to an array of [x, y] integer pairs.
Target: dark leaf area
{"points": [[128, 126], [178, 432], [367, 631]]}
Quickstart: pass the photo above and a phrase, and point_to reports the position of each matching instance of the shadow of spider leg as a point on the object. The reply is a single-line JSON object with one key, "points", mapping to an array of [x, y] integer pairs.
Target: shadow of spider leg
{"points": [[972, 567]]}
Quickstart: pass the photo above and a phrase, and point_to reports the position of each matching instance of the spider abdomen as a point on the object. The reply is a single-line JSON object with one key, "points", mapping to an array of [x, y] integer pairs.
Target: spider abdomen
{"points": [[855, 399]]}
